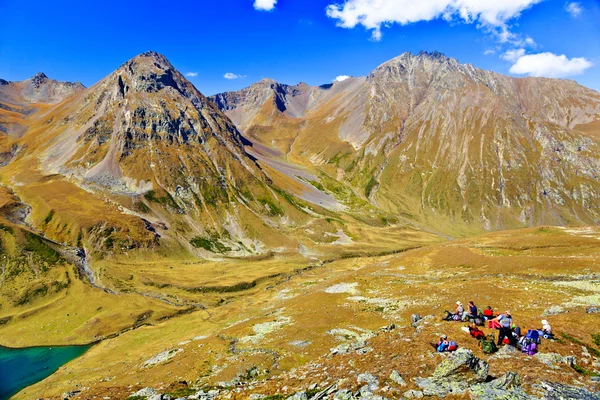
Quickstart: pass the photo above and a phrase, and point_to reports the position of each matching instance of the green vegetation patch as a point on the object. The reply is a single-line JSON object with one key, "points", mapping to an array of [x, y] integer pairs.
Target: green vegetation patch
{"points": [[181, 392], [274, 209], [370, 186], [596, 339], [210, 244], [164, 200], [141, 207], [6, 229], [49, 217], [40, 248]]}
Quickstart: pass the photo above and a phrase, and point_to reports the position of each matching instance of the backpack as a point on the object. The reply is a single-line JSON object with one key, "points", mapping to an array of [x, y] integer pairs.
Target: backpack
{"points": [[488, 344], [493, 324], [452, 345], [479, 321], [456, 317], [477, 334], [530, 348]]}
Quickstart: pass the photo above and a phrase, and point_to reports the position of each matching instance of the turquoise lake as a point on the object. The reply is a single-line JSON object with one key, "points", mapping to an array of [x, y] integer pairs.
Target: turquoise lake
{"points": [[20, 368]]}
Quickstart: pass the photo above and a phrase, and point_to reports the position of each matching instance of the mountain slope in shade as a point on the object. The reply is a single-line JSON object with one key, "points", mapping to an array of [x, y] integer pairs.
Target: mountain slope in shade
{"points": [[445, 144]]}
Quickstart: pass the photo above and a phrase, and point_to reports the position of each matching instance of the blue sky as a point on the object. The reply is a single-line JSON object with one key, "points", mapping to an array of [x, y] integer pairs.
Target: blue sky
{"points": [[296, 40]]}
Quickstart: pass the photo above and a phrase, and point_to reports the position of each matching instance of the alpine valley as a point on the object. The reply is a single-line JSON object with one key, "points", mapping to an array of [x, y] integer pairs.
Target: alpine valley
{"points": [[275, 241]]}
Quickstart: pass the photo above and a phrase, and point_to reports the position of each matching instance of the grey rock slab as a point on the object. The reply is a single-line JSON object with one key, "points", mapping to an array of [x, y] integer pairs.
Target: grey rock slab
{"points": [[397, 378]]}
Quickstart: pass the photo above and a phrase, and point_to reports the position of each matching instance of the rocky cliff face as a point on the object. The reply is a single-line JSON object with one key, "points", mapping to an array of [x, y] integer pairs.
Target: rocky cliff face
{"points": [[146, 141], [436, 140]]}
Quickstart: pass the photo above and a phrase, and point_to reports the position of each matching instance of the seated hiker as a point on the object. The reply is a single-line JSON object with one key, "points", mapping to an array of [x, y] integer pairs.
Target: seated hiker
{"points": [[546, 330], [471, 312], [460, 310], [476, 332], [446, 345], [448, 317], [442, 344], [505, 321], [488, 313]]}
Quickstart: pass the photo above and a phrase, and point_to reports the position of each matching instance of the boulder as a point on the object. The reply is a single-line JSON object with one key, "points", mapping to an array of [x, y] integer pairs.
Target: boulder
{"points": [[298, 396], [506, 352], [552, 359], [558, 391], [370, 380], [413, 394], [441, 388], [145, 392], [397, 378], [455, 374], [462, 366], [343, 394], [506, 387]]}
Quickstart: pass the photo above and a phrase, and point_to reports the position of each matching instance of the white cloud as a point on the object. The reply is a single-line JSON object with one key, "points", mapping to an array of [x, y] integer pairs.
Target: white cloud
{"points": [[549, 65], [489, 52], [574, 9], [492, 15], [341, 78], [513, 55], [191, 74], [264, 5], [231, 75]]}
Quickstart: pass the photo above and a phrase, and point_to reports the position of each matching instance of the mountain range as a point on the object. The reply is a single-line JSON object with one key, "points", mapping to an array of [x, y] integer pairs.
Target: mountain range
{"points": [[140, 203]]}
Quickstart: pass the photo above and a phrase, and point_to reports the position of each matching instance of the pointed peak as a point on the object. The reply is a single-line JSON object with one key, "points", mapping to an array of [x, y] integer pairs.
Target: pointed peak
{"points": [[267, 81], [40, 75], [3, 82], [157, 57], [145, 61], [38, 79], [434, 55]]}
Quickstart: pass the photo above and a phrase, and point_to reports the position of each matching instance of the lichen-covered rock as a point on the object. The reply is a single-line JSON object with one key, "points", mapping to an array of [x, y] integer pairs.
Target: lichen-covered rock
{"points": [[397, 378], [507, 387], [462, 366], [370, 380], [145, 392], [343, 394], [551, 359], [413, 394], [441, 388], [558, 391], [298, 396]]}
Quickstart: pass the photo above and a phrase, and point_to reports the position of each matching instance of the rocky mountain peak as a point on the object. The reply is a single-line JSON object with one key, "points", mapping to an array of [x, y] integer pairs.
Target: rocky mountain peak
{"points": [[149, 72], [39, 79], [3, 82]]}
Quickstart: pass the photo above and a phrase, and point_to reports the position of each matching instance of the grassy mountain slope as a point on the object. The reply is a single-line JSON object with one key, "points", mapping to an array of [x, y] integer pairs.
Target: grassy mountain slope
{"points": [[446, 145]]}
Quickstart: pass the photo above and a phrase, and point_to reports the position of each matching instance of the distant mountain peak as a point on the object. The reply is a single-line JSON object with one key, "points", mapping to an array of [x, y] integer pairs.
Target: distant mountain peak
{"points": [[39, 79]]}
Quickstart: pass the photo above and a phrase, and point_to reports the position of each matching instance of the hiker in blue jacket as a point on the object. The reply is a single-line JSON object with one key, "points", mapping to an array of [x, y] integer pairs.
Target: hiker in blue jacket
{"points": [[471, 312]]}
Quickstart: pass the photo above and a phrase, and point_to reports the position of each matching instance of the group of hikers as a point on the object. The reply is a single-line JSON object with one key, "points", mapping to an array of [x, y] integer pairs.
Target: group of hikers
{"points": [[509, 333]]}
